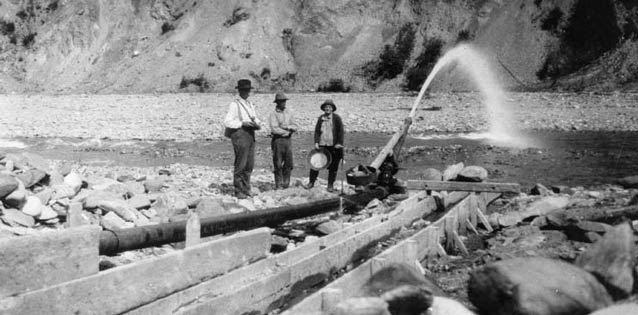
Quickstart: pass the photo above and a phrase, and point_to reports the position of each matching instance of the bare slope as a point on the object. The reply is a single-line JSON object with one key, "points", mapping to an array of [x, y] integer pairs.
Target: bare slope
{"points": [[142, 46]]}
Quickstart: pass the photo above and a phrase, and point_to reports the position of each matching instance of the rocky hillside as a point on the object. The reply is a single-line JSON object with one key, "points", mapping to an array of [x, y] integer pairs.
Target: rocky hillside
{"points": [[141, 46]]}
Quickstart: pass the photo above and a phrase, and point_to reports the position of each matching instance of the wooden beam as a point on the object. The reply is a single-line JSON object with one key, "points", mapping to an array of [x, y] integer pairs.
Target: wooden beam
{"points": [[265, 294], [463, 186], [44, 259], [120, 289]]}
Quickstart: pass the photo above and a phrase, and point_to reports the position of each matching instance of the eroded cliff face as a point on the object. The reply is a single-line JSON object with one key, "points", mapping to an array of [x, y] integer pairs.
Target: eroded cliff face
{"points": [[141, 46]]}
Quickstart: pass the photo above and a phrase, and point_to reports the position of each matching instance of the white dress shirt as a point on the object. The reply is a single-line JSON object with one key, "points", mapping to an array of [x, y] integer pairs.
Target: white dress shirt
{"points": [[237, 114]]}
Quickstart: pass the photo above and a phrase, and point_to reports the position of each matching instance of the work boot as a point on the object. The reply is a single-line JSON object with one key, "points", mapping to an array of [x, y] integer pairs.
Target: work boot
{"points": [[309, 185], [330, 188]]}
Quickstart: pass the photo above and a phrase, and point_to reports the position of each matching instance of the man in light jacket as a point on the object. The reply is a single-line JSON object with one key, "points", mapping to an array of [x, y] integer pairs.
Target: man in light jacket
{"points": [[282, 125]]}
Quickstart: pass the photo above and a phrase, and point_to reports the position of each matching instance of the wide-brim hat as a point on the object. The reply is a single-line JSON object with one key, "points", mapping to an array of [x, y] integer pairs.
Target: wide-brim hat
{"points": [[280, 96], [329, 102], [319, 159], [243, 84]]}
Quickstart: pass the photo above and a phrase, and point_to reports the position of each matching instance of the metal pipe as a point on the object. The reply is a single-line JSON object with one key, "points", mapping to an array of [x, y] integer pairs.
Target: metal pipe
{"points": [[116, 241]]}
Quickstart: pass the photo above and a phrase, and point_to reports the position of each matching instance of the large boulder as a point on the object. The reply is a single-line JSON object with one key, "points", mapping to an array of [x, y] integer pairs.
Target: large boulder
{"points": [[8, 184], [472, 173], [535, 286], [618, 309], [31, 177], [611, 260], [452, 171], [210, 207], [629, 181]]}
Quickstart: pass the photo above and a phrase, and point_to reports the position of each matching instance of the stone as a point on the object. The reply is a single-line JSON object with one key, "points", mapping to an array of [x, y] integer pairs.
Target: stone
{"points": [[446, 306], [540, 190], [618, 309], [139, 202], [112, 221], [633, 201], [408, 299], [395, 275], [35, 161], [119, 207], [135, 188], [73, 180], [18, 197], [560, 189], [452, 171], [628, 182], [47, 214], [31, 177], [247, 204], [64, 169], [45, 195], [546, 205], [62, 191], [432, 174], [153, 185], [55, 178], [612, 261], [535, 286], [210, 207], [125, 178], [329, 227], [170, 204], [8, 184], [149, 213], [361, 306], [93, 199], [14, 216], [472, 173], [278, 243], [33, 206]]}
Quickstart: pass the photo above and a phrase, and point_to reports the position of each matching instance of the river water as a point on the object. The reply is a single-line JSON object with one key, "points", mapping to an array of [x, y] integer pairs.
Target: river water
{"points": [[574, 158]]}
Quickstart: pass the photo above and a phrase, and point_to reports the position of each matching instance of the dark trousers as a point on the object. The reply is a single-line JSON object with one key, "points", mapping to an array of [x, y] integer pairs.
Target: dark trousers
{"points": [[282, 161], [336, 155], [244, 147]]}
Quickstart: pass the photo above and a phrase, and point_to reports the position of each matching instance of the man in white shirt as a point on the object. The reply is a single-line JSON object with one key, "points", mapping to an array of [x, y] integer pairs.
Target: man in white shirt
{"points": [[241, 119]]}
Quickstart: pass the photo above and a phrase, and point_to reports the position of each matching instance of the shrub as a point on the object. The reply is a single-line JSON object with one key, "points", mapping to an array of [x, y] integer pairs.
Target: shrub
{"points": [[28, 40], [552, 20], [464, 36], [424, 63], [7, 28], [239, 14], [334, 85], [200, 81], [167, 27], [393, 58], [591, 30]]}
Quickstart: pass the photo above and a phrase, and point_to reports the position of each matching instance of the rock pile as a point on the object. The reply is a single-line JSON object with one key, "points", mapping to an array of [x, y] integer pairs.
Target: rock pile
{"points": [[39, 194]]}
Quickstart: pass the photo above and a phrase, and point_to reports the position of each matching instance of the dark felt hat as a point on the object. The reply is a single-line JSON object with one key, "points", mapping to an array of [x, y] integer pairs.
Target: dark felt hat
{"points": [[329, 102], [280, 96], [243, 84]]}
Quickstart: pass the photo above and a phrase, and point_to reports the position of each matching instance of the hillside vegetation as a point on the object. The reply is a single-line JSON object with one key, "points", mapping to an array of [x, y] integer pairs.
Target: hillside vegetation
{"points": [[145, 46]]}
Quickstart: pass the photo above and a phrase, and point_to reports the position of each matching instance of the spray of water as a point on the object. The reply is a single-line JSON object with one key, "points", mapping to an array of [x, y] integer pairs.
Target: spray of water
{"points": [[469, 59]]}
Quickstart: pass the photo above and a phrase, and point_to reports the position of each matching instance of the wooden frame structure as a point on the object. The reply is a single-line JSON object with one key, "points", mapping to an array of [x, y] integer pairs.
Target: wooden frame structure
{"points": [[230, 275]]}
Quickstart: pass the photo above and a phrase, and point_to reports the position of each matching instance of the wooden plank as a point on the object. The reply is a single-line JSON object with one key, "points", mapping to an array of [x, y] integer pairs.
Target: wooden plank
{"points": [[258, 270], [262, 295], [47, 258], [463, 186], [351, 283], [120, 289], [261, 269]]}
